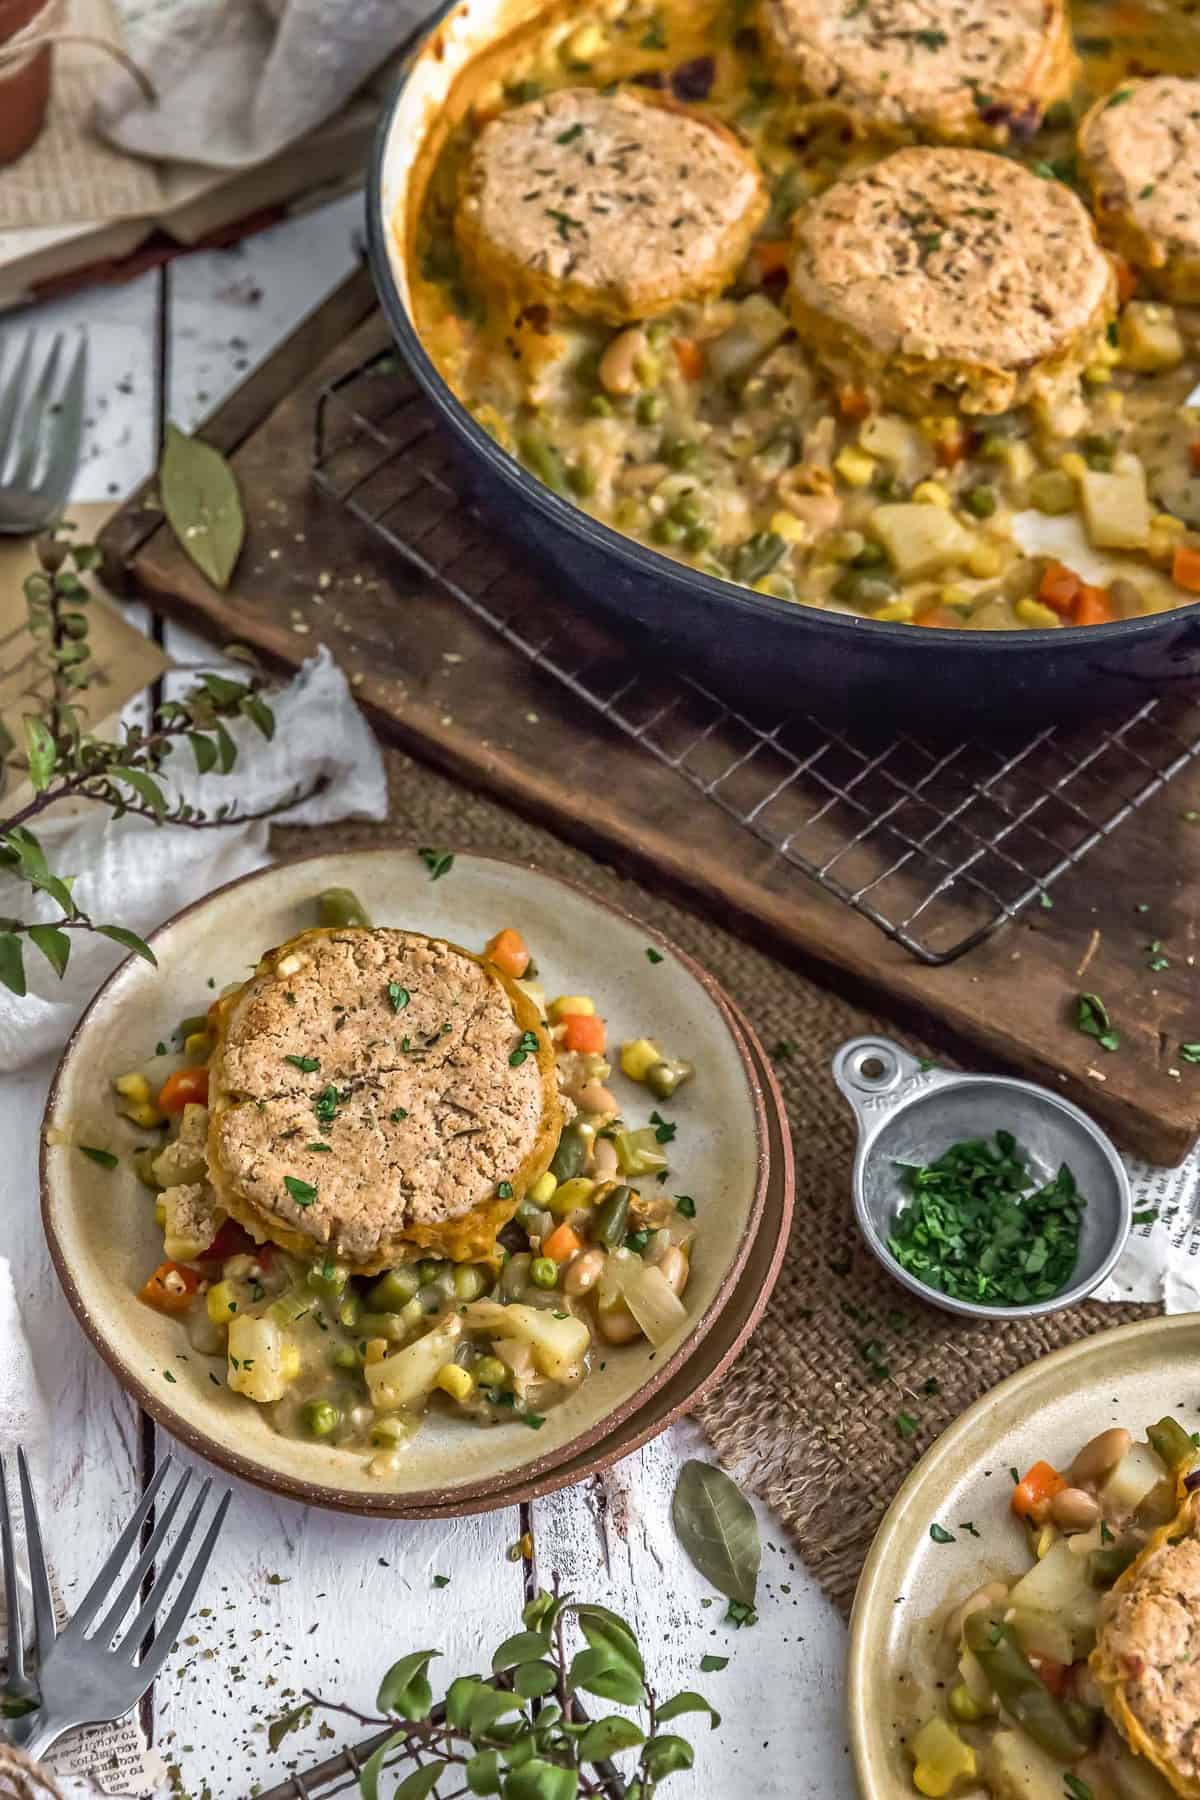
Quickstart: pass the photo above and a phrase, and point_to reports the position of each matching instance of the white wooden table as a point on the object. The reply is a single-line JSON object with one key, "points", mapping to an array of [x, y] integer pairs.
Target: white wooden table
{"points": [[303, 1598]]}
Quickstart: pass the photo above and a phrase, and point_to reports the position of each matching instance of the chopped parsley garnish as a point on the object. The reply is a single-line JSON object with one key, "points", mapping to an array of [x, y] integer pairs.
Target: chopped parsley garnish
{"points": [[397, 996], [1118, 99], [686, 1205], [783, 1050], [319, 1147], [654, 37], [637, 1241], [940, 1535], [968, 1525], [441, 1581], [872, 1354], [570, 134], [740, 1614], [1148, 1217], [978, 1228], [327, 1102], [1154, 956], [1091, 1016], [1106, 1536], [652, 955], [160, 1050], [167, 1376], [504, 1190], [663, 1132], [302, 1192], [1190, 1052], [928, 38], [438, 862], [397, 1115], [535, 1421], [565, 223], [1077, 1789], [710, 1664], [906, 1425], [305, 1064], [527, 1045], [1016, 1476], [105, 1158]]}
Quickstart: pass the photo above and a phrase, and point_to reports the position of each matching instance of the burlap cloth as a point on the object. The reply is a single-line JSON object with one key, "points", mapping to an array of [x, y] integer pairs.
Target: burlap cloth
{"points": [[808, 1416]]}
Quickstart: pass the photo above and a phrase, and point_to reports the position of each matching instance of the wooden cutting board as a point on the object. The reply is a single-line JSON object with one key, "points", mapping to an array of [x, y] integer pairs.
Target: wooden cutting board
{"points": [[437, 680]]}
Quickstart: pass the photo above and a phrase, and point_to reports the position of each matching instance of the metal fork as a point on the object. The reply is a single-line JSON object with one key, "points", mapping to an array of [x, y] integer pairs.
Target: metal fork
{"points": [[93, 1679], [40, 433]]}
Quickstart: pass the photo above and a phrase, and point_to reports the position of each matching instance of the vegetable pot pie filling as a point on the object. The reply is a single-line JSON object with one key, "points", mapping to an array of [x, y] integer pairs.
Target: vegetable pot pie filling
{"points": [[789, 330], [394, 1176], [1081, 1677]]}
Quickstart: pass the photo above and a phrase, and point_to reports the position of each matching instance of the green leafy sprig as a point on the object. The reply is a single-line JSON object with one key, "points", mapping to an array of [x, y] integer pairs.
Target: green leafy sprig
{"points": [[63, 760], [520, 1732]]}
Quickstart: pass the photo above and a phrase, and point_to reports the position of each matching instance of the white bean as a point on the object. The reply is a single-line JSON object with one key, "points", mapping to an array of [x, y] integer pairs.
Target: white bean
{"points": [[604, 1159], [584, 1272], [596, 1098], [1074, 1509], [617, 1324], [618, 372], [1100, 1454], [674, 1269]]}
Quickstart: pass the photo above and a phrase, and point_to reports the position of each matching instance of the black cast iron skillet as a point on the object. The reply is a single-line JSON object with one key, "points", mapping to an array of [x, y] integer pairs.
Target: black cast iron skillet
{"points": [[759, 648]]}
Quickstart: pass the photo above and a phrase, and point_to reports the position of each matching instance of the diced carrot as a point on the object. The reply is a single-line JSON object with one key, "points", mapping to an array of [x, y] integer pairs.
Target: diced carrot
{"points": [[690, 357], [853, 403], [509, 951], [951, 449], [1126, 279], [170, 1288], [1058, 587], [1034, 1492], [1185, 569], [183, 1088], [1092, 606], [938, 615], [584, 1032], [1194, 456], [770, 255], [1052, 1675], [562, 1243]]}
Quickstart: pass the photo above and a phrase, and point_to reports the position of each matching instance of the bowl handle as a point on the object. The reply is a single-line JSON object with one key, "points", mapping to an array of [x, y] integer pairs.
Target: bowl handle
{"points": [[873, 1074]]}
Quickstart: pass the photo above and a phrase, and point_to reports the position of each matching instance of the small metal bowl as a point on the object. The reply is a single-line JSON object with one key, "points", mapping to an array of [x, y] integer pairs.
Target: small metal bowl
{"points": [[910, 1114]]}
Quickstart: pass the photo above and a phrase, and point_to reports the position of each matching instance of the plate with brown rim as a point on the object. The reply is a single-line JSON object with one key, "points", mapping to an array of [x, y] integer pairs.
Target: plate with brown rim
{"points": [[104, 1241]]}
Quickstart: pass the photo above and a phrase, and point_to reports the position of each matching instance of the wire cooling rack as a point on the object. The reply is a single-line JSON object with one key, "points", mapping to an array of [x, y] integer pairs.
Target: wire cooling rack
{"points": [[937, 845]]}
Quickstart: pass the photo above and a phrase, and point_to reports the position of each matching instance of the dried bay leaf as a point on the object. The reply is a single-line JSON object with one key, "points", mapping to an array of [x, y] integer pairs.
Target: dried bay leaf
{"points": [[203, 507], [716, 1525]]}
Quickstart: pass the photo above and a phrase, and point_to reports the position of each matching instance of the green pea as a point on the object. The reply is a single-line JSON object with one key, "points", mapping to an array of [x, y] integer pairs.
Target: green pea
{"points": [[1051, 491], [428, 1269], [489, 1371], [686, 511], [339, 907], [546, 461], [649, 409], [581, 479], [680, 453], [543, 1272], [469, 1282], [666, 531], [871, 556], [321, 1417], [600, 406], [980, 501], [393, 1291], [699, 537]]}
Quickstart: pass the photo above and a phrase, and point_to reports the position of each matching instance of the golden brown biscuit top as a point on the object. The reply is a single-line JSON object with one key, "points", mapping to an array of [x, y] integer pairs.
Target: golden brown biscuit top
{"points": [[1142, 145], [1150, 1646]]}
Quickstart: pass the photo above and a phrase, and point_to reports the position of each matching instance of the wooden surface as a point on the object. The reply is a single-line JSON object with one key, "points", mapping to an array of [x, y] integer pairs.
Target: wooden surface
{"points": [[307, 1598], [448, 688]]}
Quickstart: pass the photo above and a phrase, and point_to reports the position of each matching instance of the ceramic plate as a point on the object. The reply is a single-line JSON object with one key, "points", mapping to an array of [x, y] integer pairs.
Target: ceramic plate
{"points": [[1129, 1376], [101, 1228]]}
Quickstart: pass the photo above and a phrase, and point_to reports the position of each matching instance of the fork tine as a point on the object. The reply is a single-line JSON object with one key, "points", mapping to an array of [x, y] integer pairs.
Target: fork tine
{"points": [[65, 433], [165, 1637], [32, 433], [92, 1601], [12, 1601], [163, 1577], [107, 1628], [44, 1630], [12, 396]]}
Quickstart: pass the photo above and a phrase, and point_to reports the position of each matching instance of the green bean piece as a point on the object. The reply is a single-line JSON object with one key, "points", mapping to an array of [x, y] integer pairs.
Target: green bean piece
{"points": [[611, 1217], [328, 1278], [1020, 1689], [540, 455], [393, 1291], [341, 907], [529, 1217], [188, 1027], [757, 556], [865, 588], [1159, 1506], [321, 1417], [1103, 1566], [543, 1272], [1171, 1443], [143, 1166], [1087, 1720], [662, 1078], [470, 1281], [390, 1325], [639, 1152], [570, 1159]]}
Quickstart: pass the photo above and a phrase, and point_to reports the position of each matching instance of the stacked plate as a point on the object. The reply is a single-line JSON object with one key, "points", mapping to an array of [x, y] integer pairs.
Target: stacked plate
{"points": [[731, 1152]]}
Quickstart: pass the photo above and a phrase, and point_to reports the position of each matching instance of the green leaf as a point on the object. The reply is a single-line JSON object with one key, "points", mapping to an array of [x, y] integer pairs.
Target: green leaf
{"points": [[255, 708], [542, 1611], [368, 1781], [664, 1756], [691, 1703], [438, 862], [421, 1782], [607, 1631], [474, 1707], [290, 1721], [41, 750], [54, 945], [405, 1689], [607, 1736], [130, 940], [204, 510], [483, 1772], [204, 751], [538, 1780], [518, 1649], [1091, 1017], [143, 785], [715, 1523], [221, 690], [597, 1673], [12, 963], [226, 748], [534, 1680]]}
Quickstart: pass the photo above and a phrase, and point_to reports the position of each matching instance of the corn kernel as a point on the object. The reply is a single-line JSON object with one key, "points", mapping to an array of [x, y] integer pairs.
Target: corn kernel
{"points": [[896, 612], [954, 595], [777, 585], [571, 1194], [571, 1003], [147, 1116], [221, 1302], [197, 1045], [584, 43], [376, 1350], [160, 1215], [1097, 375], [1072, 464], [639, 1057], [941, 1759], [985, 560], [454, 1381], [132, 1087], [786, 525], [854, 465], [931, 493], [1032, 612], [542, 1191], [1168, 525], [290, 1359], [1047, 1535]]}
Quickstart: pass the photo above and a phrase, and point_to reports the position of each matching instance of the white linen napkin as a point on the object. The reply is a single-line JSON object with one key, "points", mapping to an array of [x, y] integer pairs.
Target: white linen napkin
{"points": [[137, 874], [239, 80]]}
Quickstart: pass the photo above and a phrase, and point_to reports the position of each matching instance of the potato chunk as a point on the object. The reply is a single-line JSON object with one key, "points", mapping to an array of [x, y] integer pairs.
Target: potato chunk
{"points": [[920, 540], [1116, 508]]}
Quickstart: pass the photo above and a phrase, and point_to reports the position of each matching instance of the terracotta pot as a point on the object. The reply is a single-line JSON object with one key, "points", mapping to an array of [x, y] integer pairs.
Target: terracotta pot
{"points": [[25, 88]]}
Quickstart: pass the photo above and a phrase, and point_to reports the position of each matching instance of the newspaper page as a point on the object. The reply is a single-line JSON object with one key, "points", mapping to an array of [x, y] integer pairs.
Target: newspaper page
{"points": [[1161, 1261]]}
